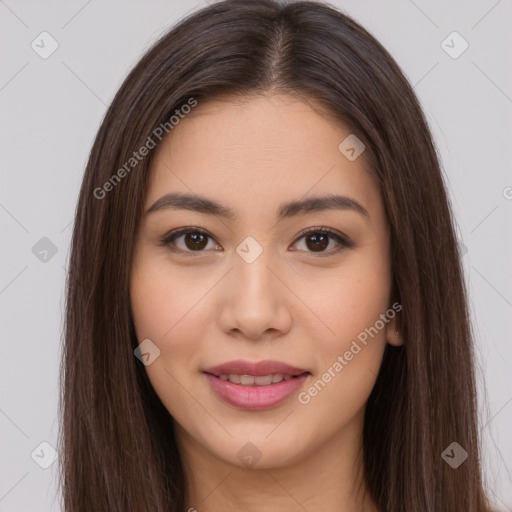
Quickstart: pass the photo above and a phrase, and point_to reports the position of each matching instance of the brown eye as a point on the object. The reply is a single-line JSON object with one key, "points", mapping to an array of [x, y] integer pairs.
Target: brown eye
{"points": [[194, 240], [317, 240]]}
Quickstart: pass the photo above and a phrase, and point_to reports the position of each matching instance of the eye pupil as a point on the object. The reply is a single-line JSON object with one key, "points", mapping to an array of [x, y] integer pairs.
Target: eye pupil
{"points": [[318, 244], [317, 241], [197, 241]]}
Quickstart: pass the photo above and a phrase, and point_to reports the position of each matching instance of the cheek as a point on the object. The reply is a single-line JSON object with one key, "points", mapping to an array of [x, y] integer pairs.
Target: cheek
{"points": [[349, 353], [167, 310], [153, 306], [350, 301], [166, 307]]}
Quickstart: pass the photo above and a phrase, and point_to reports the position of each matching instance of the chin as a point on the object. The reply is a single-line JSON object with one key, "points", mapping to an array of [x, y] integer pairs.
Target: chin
{"points": [[255, 449]]}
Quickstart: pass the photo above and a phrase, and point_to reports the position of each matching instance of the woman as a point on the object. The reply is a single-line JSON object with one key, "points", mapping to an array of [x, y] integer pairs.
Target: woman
{"points": [[265, 303]]}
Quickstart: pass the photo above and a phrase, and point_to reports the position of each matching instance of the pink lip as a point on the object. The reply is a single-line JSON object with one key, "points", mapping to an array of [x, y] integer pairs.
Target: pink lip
{"points": [[267, 367], [255, 397]]}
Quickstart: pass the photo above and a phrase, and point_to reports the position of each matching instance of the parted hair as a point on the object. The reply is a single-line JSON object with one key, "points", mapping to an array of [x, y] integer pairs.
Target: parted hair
{"points": [[116, 437]]}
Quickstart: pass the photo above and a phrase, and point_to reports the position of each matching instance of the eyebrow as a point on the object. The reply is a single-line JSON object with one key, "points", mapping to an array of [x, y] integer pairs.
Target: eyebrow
{"points": [[178, 201]]}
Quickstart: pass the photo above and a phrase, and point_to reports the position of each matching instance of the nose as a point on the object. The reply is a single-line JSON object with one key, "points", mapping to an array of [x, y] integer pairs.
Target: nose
{"points": [[255, 300]]}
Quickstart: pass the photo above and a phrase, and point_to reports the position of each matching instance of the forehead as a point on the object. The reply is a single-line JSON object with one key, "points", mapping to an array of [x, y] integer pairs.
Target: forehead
{"points": [[271, 148]]}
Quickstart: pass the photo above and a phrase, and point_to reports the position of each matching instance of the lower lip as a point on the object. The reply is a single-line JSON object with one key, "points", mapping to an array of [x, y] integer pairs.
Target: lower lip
{"points": [[255, 397]]}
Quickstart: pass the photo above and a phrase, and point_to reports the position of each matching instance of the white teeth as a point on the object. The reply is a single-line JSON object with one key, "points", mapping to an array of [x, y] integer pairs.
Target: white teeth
{"points": [[246, 380], [263, 380], [235, 379], [251, 380]]}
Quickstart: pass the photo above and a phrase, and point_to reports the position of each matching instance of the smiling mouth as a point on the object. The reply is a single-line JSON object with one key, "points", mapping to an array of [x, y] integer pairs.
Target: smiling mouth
{"points": [[255, 392], [256, 380]]}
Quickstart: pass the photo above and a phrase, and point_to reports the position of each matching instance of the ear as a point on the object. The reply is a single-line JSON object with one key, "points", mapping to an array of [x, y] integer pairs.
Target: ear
{"points": [[393, 335]]}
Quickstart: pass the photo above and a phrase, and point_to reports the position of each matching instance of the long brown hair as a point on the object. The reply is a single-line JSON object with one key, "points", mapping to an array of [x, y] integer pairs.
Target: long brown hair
{"points": [[116, 439]]}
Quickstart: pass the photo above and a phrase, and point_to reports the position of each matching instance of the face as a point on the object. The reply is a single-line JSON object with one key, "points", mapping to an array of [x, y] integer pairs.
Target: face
{"points": [[245, 284]]}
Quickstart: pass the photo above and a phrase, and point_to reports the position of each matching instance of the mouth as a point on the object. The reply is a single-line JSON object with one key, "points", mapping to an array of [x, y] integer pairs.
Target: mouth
{"points": [[255, 386], [256, 380]]}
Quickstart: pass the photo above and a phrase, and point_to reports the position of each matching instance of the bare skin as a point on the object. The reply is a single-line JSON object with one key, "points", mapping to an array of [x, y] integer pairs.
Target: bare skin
{"points": [[294, 303]]}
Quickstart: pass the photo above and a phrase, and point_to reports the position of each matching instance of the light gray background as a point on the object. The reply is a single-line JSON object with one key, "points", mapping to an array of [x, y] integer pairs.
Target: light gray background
{"points": [[50, 112]]}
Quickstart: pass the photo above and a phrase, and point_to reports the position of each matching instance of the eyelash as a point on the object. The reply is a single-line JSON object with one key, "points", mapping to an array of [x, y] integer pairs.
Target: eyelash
{"points": [[343, 241]]}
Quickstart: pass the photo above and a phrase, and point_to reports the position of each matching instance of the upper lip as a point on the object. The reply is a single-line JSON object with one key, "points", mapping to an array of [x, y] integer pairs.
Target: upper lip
{"points": [[267, 367]]}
